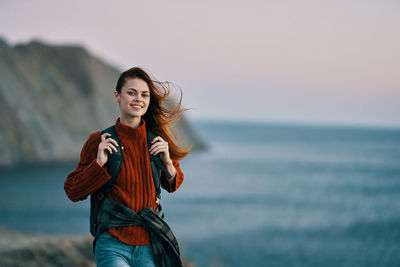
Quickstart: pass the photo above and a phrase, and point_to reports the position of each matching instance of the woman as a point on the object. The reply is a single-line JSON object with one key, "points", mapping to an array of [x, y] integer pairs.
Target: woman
{"points": [[141, 107]]}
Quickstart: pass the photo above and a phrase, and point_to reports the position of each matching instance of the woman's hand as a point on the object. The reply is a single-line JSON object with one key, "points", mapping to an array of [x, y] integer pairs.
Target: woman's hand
{"points": [[106, 144], [161, 146]]}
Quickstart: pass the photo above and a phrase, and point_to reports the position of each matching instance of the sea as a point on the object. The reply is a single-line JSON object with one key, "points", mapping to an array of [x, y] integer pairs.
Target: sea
{"points": [[261, 194]]}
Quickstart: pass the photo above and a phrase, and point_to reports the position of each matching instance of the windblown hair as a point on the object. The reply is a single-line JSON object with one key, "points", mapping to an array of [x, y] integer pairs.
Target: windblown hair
{"points": [[162, 112]]}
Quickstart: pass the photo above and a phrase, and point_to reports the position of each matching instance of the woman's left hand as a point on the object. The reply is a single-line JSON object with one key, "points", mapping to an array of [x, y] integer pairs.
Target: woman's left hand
{"points": [[161, 146]]}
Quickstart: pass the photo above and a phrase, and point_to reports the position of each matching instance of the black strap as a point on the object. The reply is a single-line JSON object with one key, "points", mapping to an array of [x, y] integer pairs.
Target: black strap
{"points": [[156, 158], [114, 161], [156, 165]]}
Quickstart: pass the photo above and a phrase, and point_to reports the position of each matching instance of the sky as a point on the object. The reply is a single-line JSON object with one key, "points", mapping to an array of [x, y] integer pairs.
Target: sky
{"points": [[318, 62]]}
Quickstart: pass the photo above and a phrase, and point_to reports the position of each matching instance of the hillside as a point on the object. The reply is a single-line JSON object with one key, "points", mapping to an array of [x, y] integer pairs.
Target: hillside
{"points": [[52, 98]]}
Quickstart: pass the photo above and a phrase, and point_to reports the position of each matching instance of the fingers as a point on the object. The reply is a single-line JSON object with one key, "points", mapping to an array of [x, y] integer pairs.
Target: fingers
{"points": [[110, 147], [157, 138], [113, 147], [157, 141], [159, 145], [108, 143], [105, 140], [104, 136], [159, 149], [110, 140]]}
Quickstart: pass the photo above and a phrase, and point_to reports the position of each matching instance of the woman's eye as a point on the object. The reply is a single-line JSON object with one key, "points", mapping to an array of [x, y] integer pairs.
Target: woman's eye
{"points": [[145, 95], [130, 93]]}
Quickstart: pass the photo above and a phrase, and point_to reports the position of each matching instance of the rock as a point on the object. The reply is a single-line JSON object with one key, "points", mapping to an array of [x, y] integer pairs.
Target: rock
{"points": [[39, 250], [17, 249]]}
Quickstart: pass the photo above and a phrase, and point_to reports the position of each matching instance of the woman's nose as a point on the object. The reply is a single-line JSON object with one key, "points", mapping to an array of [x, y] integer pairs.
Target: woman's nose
{"points": [[138, 98]]}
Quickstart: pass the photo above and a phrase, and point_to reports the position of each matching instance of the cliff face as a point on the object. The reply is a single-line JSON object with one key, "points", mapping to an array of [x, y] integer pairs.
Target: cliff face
{"points": [[52, 98]]}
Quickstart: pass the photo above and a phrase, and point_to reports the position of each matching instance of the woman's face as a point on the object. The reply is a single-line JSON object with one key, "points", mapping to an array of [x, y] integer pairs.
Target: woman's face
{"points": [[134, 98]]}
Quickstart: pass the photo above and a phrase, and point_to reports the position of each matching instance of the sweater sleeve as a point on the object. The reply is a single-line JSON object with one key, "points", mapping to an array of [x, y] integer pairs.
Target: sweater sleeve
{"points": [[171, 185], [88, 176]]}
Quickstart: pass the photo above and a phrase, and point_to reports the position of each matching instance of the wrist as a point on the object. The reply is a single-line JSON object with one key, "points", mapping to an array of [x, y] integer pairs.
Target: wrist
{"points": [[169, 163], [100, 163], [171, 168]]}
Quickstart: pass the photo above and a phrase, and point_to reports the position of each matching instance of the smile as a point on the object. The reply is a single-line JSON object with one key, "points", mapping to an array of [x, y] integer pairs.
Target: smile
{"points": [[137, 107]]}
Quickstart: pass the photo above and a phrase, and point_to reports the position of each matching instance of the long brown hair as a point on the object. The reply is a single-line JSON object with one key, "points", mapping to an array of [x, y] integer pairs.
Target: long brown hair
{"points": [[162, 112]]}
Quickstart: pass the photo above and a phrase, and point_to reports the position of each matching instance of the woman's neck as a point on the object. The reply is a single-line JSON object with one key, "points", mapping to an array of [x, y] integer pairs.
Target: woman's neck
{"points": [[133, 122]]}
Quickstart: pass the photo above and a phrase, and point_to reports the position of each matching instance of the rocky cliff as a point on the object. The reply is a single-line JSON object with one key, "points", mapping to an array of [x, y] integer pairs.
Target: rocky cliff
{"points": [[52, 98]]}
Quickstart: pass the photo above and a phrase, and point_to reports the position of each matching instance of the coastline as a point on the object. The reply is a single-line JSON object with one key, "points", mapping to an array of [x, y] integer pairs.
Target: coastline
{"points": [[21, 249]]}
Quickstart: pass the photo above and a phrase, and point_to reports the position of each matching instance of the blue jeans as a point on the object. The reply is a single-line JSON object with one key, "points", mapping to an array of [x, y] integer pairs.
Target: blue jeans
{"points": [[110, 252]]}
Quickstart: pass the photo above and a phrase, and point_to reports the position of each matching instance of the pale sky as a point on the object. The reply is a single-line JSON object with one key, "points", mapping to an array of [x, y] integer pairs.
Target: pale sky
{"points": [[330, 62]]}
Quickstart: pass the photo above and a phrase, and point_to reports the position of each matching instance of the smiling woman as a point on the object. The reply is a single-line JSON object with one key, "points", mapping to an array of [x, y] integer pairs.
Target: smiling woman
{"points": [[122, 169]]}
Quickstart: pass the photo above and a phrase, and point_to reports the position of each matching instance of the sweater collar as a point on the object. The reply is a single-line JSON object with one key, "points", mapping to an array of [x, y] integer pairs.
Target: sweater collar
{"points": [[128, 131]]}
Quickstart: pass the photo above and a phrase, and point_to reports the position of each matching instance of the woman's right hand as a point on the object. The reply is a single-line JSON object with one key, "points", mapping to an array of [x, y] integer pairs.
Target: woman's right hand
{"points": [[106, 144]]}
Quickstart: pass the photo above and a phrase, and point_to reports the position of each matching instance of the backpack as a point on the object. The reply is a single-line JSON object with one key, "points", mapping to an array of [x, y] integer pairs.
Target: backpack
{"points": [[113, 166]]}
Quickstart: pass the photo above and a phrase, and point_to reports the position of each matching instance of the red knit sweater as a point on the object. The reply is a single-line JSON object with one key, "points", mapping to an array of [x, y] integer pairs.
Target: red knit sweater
{"points": [[134, 186]]}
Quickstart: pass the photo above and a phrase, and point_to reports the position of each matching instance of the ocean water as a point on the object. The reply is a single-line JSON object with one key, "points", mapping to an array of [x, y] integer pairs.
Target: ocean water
{"points": [[261, 195]]}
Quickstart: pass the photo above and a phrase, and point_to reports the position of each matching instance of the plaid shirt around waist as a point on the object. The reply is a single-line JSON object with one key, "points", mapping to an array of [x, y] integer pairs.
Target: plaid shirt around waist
{"points": [[165, 246]]}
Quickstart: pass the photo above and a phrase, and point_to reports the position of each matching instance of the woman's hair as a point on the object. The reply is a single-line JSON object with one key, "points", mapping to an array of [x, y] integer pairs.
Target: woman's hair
{"points": [[162, 112]]}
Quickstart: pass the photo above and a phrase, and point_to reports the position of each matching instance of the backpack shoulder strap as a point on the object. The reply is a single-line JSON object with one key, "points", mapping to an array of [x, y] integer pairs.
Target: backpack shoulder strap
{"points": [[114, 161], [156, 164]]}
